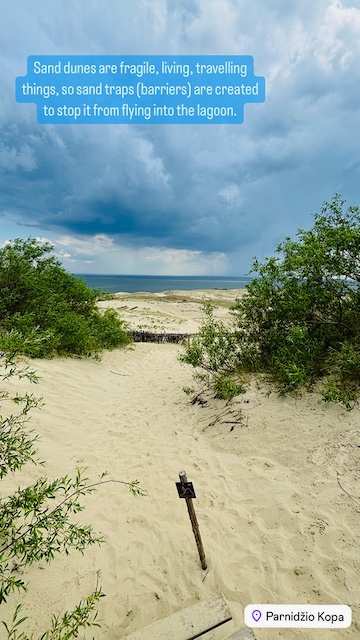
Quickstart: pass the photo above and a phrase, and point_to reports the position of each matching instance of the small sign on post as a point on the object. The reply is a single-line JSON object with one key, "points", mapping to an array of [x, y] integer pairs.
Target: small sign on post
{"points": [[186, 490]]}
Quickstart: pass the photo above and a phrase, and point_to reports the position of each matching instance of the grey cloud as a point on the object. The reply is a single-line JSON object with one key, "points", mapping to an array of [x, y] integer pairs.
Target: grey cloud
{"points": [[162, 186]]}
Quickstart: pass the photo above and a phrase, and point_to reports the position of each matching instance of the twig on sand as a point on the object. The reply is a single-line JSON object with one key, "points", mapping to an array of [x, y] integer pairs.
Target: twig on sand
{"points": [[199, 398], [355, 498], [235, 417], [118, 373]]}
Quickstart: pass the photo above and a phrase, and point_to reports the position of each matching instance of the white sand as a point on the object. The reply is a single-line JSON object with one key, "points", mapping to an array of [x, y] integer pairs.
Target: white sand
{"points": [[171, 311], [275, 523]]}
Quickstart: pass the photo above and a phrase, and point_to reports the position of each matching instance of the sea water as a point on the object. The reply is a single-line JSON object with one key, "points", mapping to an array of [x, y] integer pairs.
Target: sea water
{"points": [[131, 284]]}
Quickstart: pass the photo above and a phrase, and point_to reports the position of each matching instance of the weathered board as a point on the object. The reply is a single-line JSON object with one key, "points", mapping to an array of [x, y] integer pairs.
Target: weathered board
{"points": [[199, 621], [150, 336]]}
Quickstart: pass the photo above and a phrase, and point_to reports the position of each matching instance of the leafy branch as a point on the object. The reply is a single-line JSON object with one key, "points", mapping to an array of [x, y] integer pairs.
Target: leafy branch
{"points": [[32, 529]]}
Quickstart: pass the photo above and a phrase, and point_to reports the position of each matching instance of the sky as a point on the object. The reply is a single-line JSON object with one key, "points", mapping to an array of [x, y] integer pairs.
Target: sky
{"points": [[182, 199]]}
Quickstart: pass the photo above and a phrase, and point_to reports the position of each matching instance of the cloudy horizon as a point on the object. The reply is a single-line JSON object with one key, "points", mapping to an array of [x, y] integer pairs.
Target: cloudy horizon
{"points": [[183, 199]]}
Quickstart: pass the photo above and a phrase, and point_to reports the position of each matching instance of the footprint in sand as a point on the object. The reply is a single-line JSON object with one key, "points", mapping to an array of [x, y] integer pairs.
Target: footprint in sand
{"points": [[318, 526]]}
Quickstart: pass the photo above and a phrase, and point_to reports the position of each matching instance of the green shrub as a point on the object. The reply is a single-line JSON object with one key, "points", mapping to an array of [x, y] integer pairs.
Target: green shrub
{"points": [[40, 299], [75, 332], [214, 348], [226, 388], [299, 321], [107, 329], [33, 343], [342, 385]]}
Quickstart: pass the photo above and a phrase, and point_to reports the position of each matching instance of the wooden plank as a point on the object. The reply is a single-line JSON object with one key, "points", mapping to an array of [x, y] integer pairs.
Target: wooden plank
{"points": [[188, 624], [150, 336]]}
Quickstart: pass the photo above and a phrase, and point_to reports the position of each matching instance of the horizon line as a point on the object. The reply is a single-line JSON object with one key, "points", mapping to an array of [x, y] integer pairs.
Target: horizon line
{"points": [[154, 275]]}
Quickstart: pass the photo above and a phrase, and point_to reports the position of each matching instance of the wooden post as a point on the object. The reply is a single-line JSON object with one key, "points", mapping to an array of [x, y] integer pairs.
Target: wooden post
{"points": [[194, 522]]}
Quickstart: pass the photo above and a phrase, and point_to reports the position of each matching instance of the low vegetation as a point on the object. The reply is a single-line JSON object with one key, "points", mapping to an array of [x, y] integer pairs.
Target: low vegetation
{"points": [[38, 522], [299, 322], [44, 310]]}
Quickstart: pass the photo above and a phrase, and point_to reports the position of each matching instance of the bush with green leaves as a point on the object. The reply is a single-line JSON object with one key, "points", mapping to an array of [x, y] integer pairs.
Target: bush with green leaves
{"points": [[39, 297], [226, 387], [214, 348], [37, 521], [299, 321]]}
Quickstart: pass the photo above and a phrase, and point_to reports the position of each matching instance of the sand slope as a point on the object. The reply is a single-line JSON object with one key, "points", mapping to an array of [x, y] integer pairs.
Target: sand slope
{"points": [[275, 523], [171, 311]]}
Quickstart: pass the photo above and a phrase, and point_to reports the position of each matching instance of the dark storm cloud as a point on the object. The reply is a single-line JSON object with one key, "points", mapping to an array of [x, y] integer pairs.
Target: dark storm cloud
{"points": [[232, 189]]}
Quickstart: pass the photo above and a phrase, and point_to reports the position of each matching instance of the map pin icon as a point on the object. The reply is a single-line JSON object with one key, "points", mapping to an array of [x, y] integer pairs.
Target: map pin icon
{"points": [[256, 614]]}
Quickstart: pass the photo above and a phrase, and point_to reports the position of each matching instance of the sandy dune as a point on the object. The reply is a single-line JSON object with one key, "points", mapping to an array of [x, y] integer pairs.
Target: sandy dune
{"points": [[276, 525], [171, 311]]}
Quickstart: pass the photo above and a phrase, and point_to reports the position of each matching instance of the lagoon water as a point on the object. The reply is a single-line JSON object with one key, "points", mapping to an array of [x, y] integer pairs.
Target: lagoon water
{"points": [[131, 284]]}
